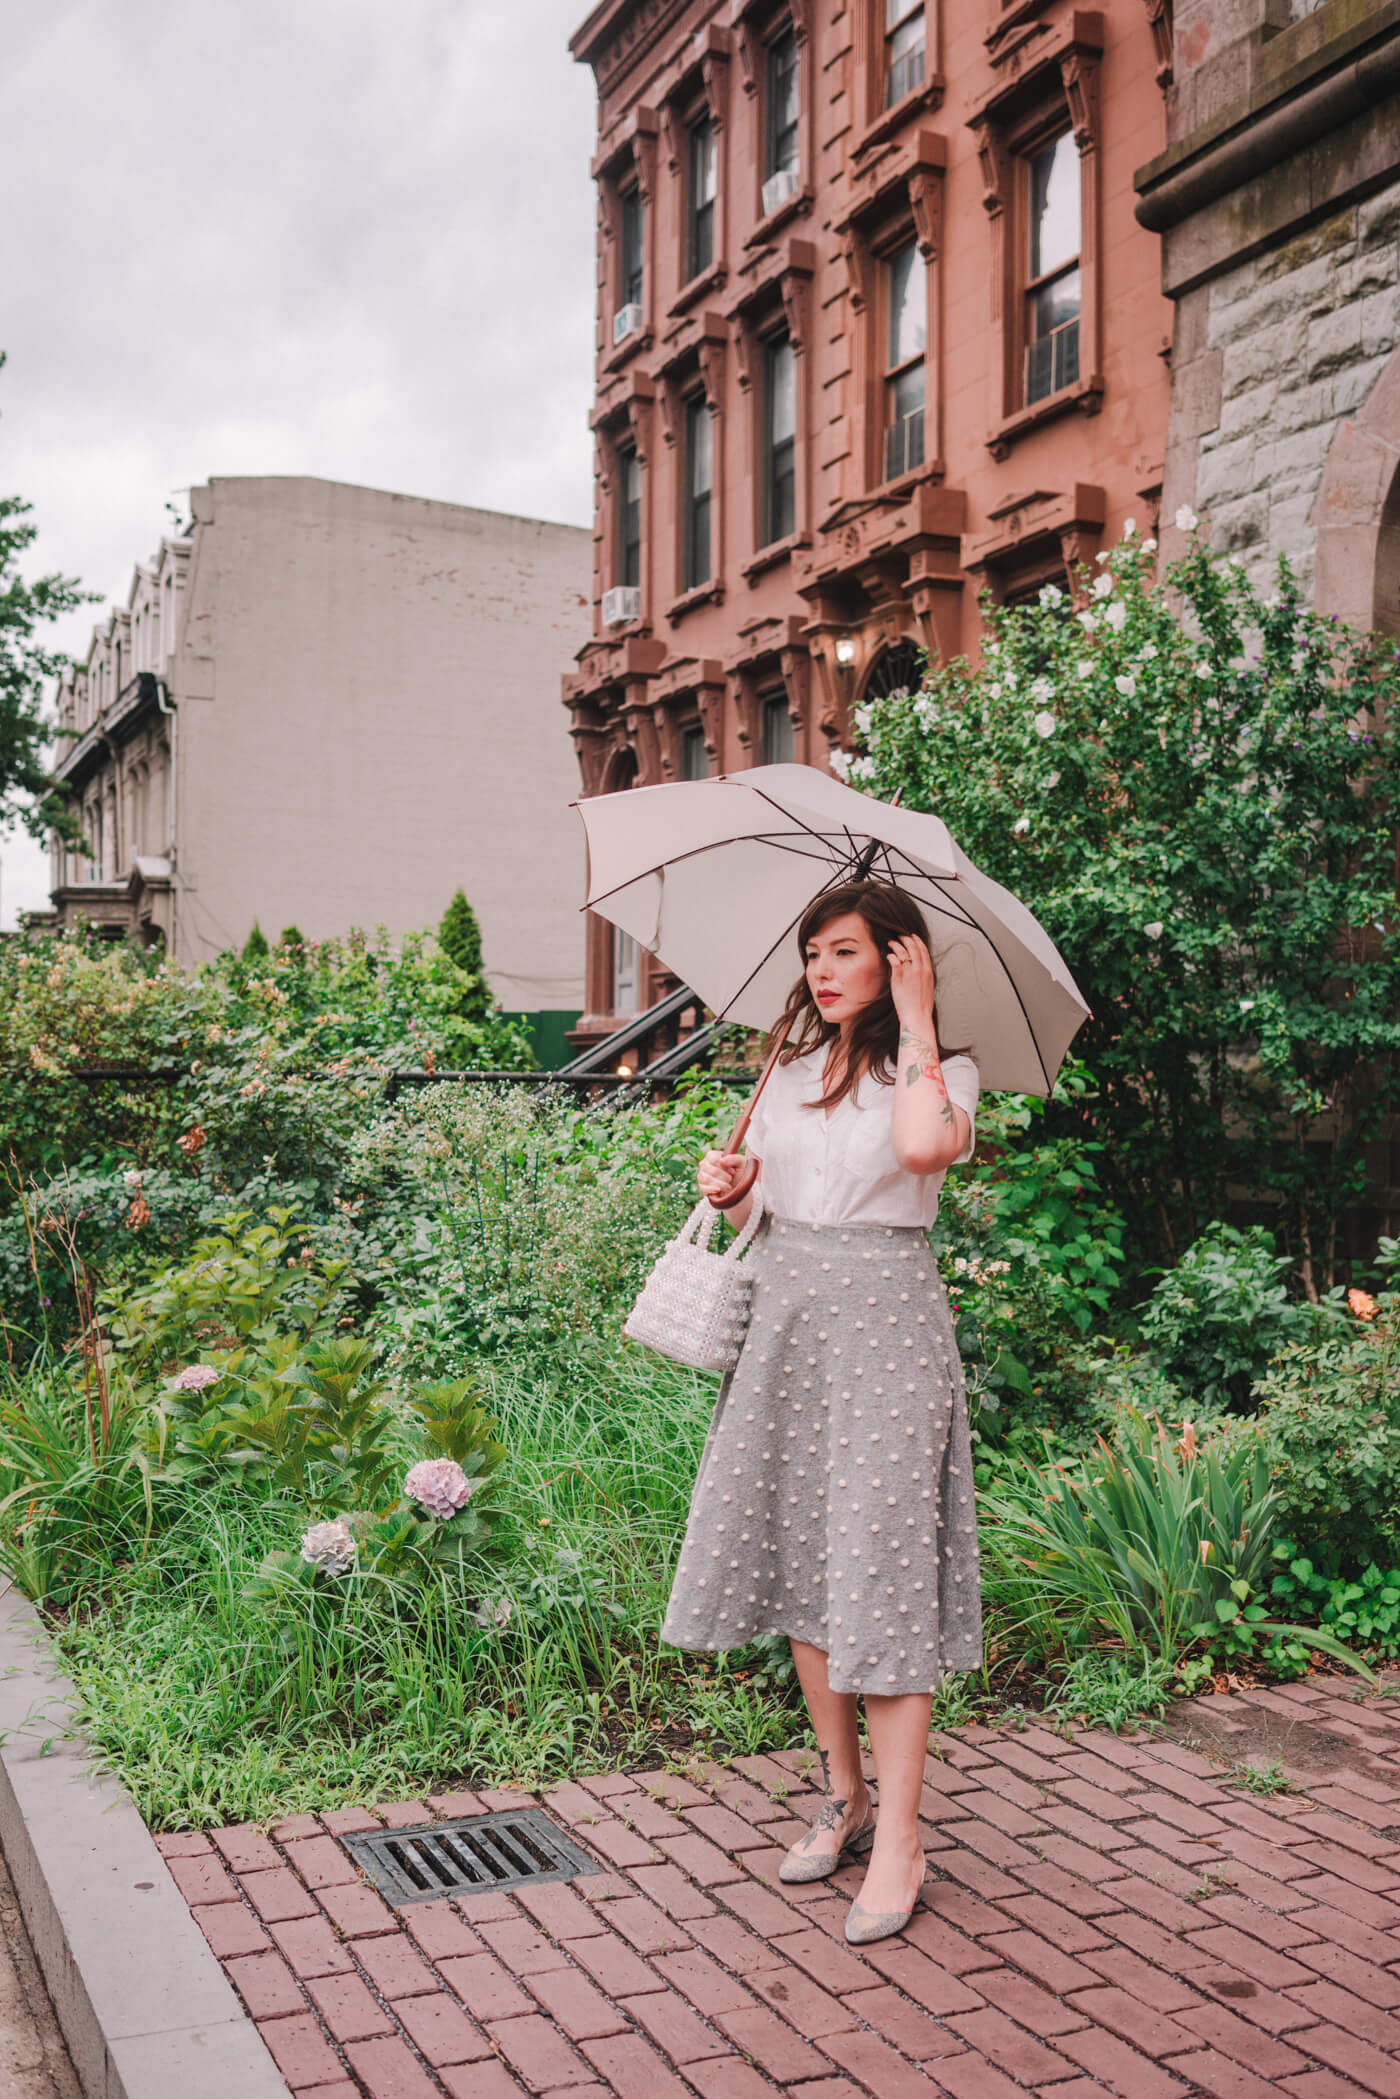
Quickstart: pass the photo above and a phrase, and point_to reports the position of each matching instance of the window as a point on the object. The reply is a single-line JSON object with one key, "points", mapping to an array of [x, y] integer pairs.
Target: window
{"points": [[629, 515], [779, 488], [695, 762], [780, 154], [775, 731], [904, 49], [627, 974], [1052, 269], [630, 286], [906, 314], [700, 215], [695, 567]]}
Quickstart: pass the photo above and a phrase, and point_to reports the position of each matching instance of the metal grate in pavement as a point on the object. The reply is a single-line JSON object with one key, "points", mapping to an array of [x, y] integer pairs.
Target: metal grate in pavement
{"points": [[463, 1857]]}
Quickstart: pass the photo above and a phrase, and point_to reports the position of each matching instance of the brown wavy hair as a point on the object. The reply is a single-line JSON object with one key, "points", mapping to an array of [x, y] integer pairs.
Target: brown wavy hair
{"points": [[890, 914]]}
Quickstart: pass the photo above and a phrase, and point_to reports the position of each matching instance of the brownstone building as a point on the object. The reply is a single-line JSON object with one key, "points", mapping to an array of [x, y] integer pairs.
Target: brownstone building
{"points": [[877, 330]]}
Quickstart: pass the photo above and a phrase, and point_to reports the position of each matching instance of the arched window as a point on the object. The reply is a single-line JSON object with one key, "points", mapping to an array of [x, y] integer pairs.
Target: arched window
{"points": [[899, 668]]}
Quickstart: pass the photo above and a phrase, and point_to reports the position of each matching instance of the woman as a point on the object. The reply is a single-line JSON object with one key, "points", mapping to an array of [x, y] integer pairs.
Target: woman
{"points": [[834, 1501]]}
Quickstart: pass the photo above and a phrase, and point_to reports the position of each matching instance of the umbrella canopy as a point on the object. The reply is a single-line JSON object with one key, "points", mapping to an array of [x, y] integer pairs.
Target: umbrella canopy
{"points": [[714, 876]]}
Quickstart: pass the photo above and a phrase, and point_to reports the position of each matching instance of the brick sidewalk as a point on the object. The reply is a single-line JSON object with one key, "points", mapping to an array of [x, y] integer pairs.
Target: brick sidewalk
{"points": [[1107, 1914]]}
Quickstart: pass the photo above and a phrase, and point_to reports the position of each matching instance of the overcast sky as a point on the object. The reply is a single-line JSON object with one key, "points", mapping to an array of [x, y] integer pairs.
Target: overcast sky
{"points": [[287, 237]]}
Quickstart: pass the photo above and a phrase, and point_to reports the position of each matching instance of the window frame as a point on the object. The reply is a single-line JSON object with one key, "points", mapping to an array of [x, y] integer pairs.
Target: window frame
{"points": [[892, 373], [701, 215], [773, 706], [889, 99], [626, 455], [629, 191], [691, 740], [1028, 287], [695, 413], [786, 33], [770, 516]]}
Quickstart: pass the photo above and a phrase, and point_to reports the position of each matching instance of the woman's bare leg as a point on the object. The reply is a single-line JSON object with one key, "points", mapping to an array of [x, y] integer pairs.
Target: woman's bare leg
{"points": [[833, 1715], [898, 1730]]}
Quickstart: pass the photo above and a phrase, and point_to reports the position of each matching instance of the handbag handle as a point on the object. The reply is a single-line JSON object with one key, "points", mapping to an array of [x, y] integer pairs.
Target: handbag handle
{"points": [[749, 1174], [706, 1215]]}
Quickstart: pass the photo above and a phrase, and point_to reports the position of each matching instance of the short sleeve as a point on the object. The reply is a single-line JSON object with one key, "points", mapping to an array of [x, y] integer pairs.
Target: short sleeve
{"points": [[964, 1084]]}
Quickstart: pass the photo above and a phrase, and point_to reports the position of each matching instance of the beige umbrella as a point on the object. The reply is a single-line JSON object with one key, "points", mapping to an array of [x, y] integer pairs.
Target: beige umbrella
{"points": [[714, 876]]}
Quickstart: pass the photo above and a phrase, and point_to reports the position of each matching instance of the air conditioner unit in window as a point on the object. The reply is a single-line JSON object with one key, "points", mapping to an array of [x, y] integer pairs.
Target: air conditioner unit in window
{"points": [[626, 321], [622, 603], [778, 188]]}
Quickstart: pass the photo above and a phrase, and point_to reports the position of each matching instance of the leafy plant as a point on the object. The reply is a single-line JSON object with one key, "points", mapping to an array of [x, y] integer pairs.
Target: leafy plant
{"points": [[1162, 1542], [1195, 787], [1329, 1411], [1216, 1320], [1364, 1612]]}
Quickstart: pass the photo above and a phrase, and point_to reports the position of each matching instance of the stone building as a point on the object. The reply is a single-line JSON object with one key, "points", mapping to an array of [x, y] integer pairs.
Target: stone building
{"points": [[877, 330], [329, 706], [1277, 200]]}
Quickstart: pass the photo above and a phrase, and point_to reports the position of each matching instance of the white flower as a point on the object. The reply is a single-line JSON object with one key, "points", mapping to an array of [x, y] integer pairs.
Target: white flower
{"points": [[995, 691], [330, 1546], [1022, 823], [1205, 670], [862, 769], [925, 713], [1101, 558], [1246, 1005], [1087, 620], [132, 1177], [1148, 652], [438, 1485], [861, 718], [1149, 546], [1126, 685], [840, 765], [1186, 519], [1086, 667], [1045, 723], [1053, 780], [1051, 594], [1116, 616], [1154, 931], [1129, 527], [1042, 689], [1103, 586]]}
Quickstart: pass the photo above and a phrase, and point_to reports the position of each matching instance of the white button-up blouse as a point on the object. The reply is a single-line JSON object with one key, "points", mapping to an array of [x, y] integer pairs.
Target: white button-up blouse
{"points": [[841, 1168]]}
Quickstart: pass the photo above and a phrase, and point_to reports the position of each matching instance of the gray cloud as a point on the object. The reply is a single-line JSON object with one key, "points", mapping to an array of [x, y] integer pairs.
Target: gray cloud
{"points": [[328, 238]]}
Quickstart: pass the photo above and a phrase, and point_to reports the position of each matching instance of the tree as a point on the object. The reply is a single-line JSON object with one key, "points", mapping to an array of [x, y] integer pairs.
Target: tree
{"points": [[1196, 790], [255, 947], [292, 941], [28, 794], [459, 937]]}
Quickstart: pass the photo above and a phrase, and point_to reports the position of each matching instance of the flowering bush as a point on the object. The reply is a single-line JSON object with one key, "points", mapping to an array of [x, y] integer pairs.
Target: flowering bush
{"points": [[1196, 790]]}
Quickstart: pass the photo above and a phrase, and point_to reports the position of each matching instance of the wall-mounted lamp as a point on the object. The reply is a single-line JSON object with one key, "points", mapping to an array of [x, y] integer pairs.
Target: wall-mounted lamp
{"points": [[845, 652]]}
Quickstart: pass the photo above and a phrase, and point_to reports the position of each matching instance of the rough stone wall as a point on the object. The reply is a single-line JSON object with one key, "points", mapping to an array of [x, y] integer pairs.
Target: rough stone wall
{"points": [[1270, 358]]}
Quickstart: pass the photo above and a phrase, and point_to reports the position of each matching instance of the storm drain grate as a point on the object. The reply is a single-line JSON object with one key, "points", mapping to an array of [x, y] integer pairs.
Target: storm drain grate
{"points": [[462, 1858]]}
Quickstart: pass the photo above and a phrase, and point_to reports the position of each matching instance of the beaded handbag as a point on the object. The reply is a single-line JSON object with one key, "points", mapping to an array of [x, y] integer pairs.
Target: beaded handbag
{"points": [[695, 1304]]}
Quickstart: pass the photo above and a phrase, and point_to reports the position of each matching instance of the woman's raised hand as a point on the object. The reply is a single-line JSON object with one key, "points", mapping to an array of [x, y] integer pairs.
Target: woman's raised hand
{"points": [[911, 981], [717, 1173]]}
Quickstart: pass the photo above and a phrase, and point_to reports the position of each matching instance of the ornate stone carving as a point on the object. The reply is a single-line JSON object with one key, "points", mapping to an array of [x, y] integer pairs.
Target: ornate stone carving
{"points": [[926, 203], [995, 163], [1079, 70], [1159, 16]]}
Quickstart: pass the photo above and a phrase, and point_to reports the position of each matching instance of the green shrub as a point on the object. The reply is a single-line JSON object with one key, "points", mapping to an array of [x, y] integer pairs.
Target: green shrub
{"points": [[1364, 1612], [1329, 1411], [1216, 1320], [1194, 786]]}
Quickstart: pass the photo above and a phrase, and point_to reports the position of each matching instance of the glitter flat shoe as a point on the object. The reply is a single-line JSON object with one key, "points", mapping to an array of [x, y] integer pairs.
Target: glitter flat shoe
{"points": [[818, 1865], [864, 1927]]}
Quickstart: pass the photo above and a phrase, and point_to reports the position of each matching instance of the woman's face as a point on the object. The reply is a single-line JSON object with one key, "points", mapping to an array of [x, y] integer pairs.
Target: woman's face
{"points": [[846, 972]]}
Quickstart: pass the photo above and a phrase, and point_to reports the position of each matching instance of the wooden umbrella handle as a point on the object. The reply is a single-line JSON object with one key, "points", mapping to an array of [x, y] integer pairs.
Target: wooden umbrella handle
{"points": [[749, 1174]]}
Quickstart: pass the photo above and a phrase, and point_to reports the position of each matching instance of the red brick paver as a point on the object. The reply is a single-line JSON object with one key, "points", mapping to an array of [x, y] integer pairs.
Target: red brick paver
{"points": [[1108, 1917]]}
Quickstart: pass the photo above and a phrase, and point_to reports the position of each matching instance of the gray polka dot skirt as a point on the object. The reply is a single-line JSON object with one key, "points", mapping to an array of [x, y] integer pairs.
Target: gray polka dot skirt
{"points": [[834, 1500]]}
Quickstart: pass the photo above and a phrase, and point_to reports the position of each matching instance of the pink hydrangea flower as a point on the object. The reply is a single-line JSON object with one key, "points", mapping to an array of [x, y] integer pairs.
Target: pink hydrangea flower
{"points": [[197, 1378], [330, 1546], [439, 1485]]}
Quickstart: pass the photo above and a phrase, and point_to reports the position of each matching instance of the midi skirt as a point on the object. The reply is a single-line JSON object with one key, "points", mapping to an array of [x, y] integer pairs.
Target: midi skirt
{"points": [[834, 1501]]}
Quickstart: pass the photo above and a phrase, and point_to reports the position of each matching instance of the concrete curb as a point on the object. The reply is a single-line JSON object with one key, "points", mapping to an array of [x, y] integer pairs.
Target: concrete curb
{"points": [[143, 2004]]}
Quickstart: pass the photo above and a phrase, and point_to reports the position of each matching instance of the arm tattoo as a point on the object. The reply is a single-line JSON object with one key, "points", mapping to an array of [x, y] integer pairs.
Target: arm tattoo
{"points": [[926, 1066]]}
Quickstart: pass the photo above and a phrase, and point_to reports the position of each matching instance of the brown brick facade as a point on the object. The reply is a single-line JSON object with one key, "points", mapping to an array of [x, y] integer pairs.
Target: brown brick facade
{"points": [[817, 217]]}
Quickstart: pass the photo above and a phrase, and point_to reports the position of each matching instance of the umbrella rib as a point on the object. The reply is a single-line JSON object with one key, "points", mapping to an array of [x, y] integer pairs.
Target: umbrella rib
{"points": [[770, 838], [967, 919], [770, 952]]}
